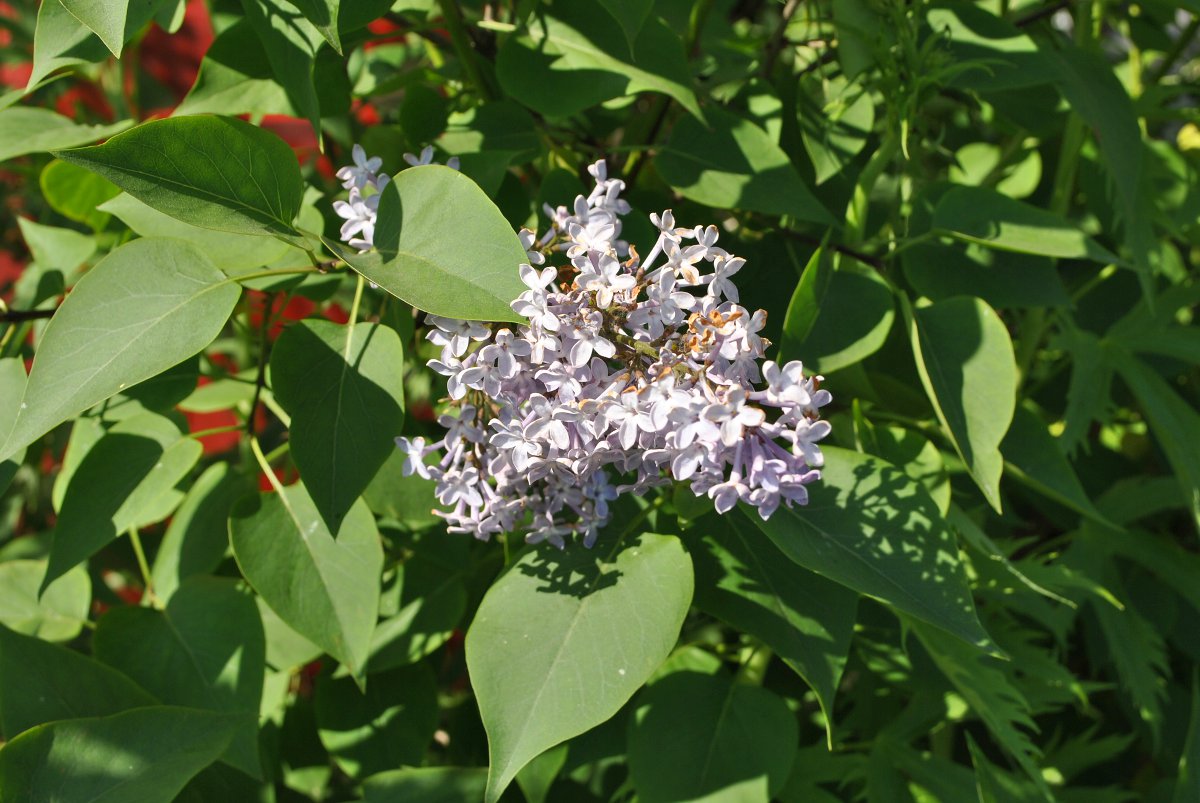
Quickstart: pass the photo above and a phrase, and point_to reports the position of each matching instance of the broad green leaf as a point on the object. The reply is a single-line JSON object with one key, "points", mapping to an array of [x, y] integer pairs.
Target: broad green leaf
{"points": [[853, 318], [229, 252], [975, 536], [1001, 278], [28, 129], [55, 248], [119, 485], [553, 650], [326, 589], [141, 310], [731, 163], [60, 613], [343, 386], [536, 778], [1187, 784], [147, 755], [1034, 457], [114, 21], [631, 16], [873, 529], [805, 306], [462, 265], [807, 620], [965, 358], [1174, 422], [911, 452], [985, 216], [205, 650], [387, 726], [235, 78], [198, 536], [697, 736], [41, 682], [984, 685], [290, 43], [75, 193], [575, 55], [61, 41], [427, 784], [213, 172]]}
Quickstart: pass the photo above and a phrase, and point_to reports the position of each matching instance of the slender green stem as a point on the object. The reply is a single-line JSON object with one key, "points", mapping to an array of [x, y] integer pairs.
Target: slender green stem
{"points": [[143, 566], [265, 465], [279, 451], [214, 431]]}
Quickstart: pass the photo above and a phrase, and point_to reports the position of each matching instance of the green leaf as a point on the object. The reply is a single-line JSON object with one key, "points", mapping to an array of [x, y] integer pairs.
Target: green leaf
{"points": [[55, 248], [58, 615], [985, 687], [147, 755], [538, 776], [198, 536], [75, 193], [389, 725], [631, 16], [43, 682], [462, 265], [235, 78], [697, 736], [873, 529], [427, 784], [323, 14], [995, 785], [343, 386], [28, 129], [118, 486], [1174, 422], [205, 650], [912, 453], [805, 306], [1001, 278], [408, 500], [290, 43], [575, 55], [326, 589], [731, 163], [553, 650], [965, 358], [807, 620], [142, 309], [853, 317], [1033, 456], [114, 21], [61, 41], [213, 172], [229, 252], [835, 130], [984, 216]]}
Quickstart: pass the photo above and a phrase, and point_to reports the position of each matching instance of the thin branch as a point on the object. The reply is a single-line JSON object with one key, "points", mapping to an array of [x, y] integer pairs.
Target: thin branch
{"points": [[21, 315], [867, 259], [775, 46], [1042, 13]]}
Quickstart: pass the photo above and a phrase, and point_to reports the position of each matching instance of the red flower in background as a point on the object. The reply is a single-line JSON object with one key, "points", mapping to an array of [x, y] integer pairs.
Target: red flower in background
{"points": [[174, 59]]}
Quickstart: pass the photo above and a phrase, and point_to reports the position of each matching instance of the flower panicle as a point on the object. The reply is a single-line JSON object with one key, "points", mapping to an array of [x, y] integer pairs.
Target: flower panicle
{"points": [[633, 372]]}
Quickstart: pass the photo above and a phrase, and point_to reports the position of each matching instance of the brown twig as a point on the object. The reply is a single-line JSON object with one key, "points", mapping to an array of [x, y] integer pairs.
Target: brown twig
{"points": [[867, 259], [20, 315]]}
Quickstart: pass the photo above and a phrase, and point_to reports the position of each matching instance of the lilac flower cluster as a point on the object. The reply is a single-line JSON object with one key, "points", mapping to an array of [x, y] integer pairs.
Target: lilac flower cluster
{"points": [[632, 372]]}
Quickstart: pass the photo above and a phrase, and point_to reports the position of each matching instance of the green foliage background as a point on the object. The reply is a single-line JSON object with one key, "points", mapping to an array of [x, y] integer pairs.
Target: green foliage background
{"points": [[978, 220]]}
